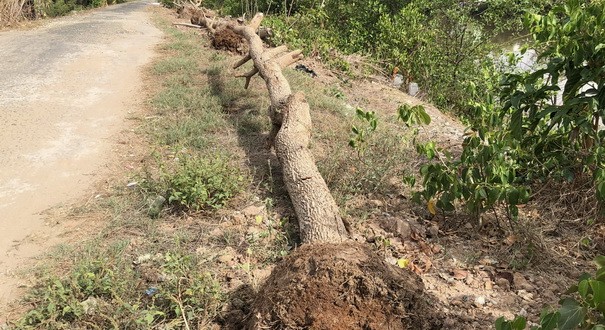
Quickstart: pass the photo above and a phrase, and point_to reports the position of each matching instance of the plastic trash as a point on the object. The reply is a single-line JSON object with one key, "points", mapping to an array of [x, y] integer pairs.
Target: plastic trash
{"points": [[413, 88], [305, 69], [151, 291], [397, 80]]}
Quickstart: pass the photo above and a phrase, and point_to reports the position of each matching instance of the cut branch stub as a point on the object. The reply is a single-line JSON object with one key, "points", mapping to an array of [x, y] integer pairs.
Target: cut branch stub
{"points": [[318, 215]]}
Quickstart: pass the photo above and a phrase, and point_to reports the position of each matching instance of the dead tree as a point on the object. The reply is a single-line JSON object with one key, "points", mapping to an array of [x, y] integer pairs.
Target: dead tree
{"points": [[318, 215]]}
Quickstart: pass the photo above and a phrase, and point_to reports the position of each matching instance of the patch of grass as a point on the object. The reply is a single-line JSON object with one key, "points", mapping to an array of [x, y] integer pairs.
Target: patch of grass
{"points": [[108, 289], [250, 123], [319, 97], [228, 90], [349, 173], [190, 131], [174, 65]]}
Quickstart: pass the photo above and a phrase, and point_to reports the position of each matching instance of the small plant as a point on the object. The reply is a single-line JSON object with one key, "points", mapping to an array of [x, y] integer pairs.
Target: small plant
{"points": [[195, 183], [337, 93], [359, 141], [188, 295], [584, 308], [415, 115]]}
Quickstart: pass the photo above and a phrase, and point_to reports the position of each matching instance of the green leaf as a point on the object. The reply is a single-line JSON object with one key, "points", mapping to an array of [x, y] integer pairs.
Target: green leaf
{"points": [[519, 323], [583, 288], [550, 321], [514, 211], [516, 124], [600, 275], [598, 291], [572, 314], [425, 118], [513, 197], [502, 324], [600, 261], [572, 289]]}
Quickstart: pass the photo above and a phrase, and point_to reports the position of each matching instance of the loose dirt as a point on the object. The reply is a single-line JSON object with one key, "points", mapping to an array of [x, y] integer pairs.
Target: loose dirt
{"points": [[340, 286], [65, 93]]}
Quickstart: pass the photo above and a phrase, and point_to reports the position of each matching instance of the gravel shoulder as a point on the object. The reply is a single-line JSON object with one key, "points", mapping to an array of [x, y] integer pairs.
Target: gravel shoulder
{"points": [[66, 90]]}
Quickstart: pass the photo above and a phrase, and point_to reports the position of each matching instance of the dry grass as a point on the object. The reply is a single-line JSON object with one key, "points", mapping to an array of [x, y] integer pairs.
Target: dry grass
{"points": [[11, 11]]}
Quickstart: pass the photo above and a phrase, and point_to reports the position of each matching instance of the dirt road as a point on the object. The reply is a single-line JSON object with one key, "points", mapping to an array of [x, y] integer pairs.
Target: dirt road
{"points": [[66, 89]]}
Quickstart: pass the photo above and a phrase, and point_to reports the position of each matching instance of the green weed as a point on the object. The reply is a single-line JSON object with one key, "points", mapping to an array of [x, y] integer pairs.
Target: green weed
{"points": [[194, 183], [106, 290]]}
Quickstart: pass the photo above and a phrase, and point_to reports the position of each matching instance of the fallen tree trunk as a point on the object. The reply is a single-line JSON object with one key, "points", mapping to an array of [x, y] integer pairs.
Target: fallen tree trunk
{"points": [[330, 282], [318, 215]]}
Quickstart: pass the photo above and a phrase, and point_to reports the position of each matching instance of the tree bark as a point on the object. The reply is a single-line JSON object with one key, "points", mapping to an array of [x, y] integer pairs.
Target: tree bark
{"points": [[318, 215]]}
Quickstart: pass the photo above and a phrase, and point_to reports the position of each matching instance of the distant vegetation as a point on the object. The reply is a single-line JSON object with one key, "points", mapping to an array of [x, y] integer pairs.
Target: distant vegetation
{"points": [[443, 45], [12, 11]]}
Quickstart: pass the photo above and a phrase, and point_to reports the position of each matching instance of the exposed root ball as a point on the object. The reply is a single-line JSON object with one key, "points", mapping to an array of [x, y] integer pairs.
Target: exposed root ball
{"points": [[228, 40], [340, 286]]}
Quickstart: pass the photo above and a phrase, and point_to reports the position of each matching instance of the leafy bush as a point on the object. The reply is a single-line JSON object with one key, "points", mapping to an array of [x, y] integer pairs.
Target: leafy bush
{"points": [[195, 183], [583, 308], [60, 8], [523, 135]]}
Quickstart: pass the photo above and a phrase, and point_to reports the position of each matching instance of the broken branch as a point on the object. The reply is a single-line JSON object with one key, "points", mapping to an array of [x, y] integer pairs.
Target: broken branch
{"points": [[188, 25]]}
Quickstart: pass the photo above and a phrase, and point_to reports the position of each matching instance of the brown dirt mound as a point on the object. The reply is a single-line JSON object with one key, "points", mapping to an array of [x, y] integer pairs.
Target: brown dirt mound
{"points": [[340, 286], [228, 40]]}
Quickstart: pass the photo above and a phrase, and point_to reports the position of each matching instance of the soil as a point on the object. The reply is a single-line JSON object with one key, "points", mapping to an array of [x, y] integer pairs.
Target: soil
{"points": [[66, 92], [339, 286], [226, 39]]}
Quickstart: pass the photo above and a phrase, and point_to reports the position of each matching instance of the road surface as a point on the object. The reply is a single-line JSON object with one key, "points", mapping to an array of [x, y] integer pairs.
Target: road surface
{"points": [[66, 89]]}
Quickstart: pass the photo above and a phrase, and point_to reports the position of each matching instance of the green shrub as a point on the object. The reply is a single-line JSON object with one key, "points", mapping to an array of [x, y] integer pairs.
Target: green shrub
{"points": [[168, 3], [195, 183], [60, 8], [519, 136]]}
